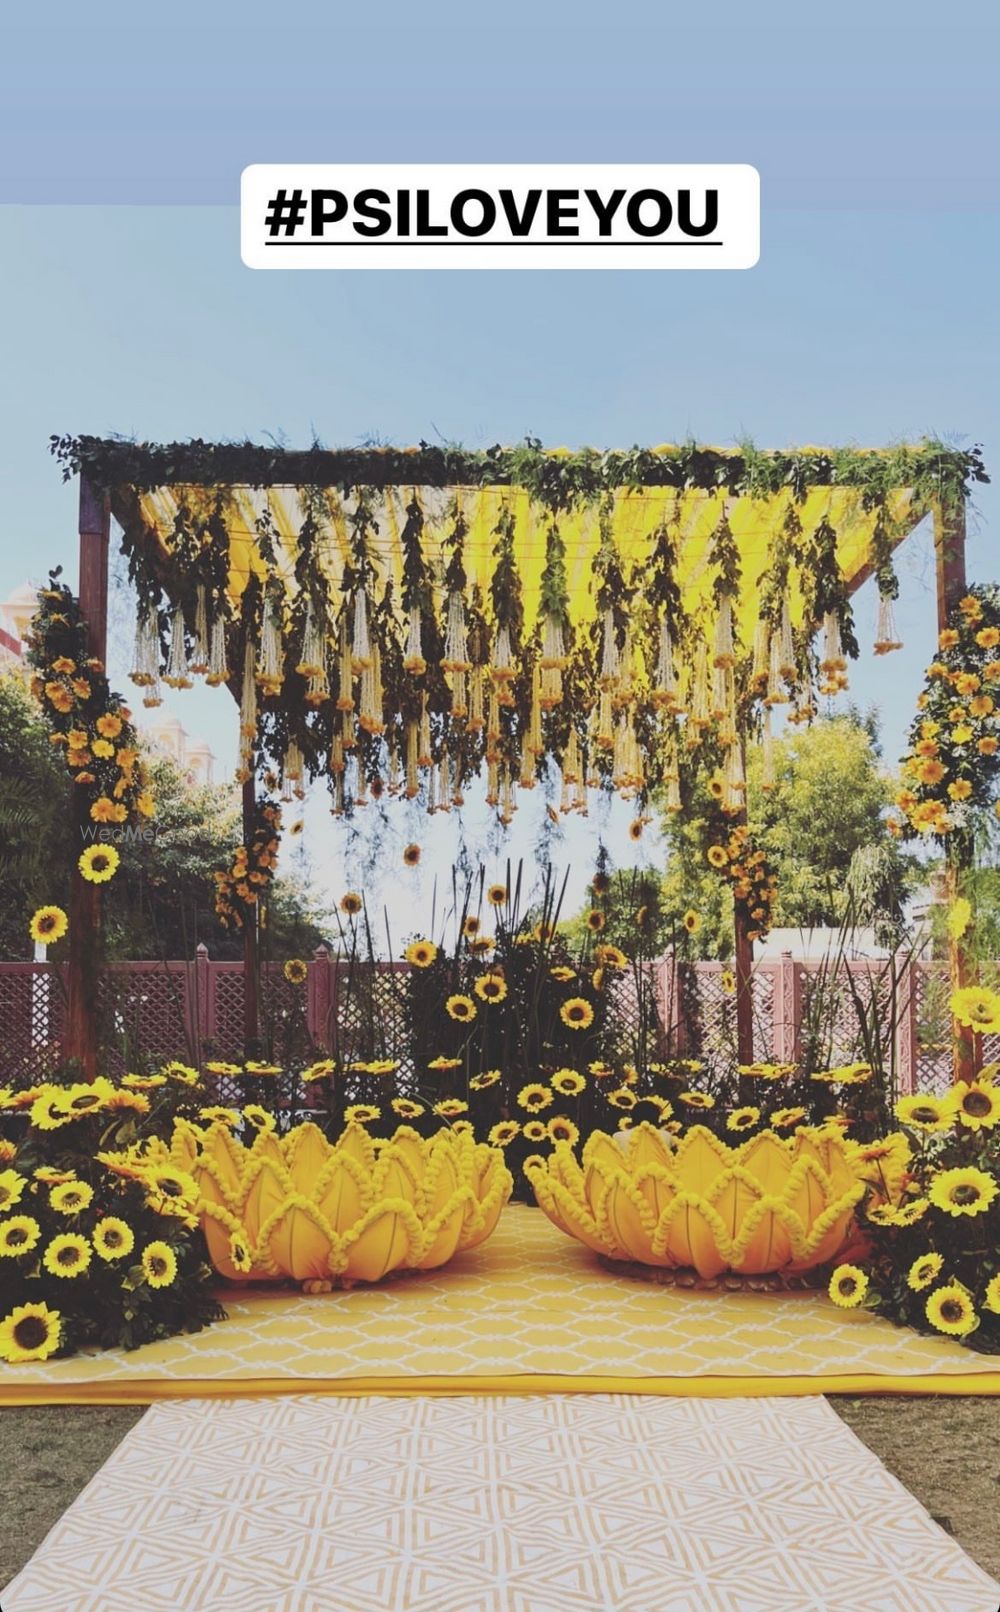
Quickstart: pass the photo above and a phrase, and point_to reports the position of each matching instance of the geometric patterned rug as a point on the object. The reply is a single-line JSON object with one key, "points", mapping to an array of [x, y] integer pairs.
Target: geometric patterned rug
{"points": [[562, 1503], [529, 1311]]}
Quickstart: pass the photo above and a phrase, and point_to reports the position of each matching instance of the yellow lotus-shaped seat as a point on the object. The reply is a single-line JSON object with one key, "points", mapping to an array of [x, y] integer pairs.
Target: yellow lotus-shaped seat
{"points": [[303, 1208], [771, 1204]]}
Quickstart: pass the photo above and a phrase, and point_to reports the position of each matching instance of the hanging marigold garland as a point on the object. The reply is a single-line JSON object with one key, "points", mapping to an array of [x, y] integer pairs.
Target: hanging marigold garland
{"points": [[952, 766], [91, 724], [241, 888]]}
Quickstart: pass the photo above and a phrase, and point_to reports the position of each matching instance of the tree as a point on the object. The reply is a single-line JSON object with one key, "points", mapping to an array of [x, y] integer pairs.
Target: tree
{"points": [[827, 803], [160, 903]]}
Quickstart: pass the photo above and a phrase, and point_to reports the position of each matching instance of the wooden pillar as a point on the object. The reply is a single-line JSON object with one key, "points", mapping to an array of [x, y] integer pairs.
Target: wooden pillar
{"points": [[251, 1012], [949, 550], [81, 1024], [744, 987]]}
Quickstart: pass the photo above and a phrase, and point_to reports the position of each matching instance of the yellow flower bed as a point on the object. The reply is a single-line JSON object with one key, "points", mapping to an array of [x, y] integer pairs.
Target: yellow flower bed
{"points": [[771, 1204], [317, 1212]]}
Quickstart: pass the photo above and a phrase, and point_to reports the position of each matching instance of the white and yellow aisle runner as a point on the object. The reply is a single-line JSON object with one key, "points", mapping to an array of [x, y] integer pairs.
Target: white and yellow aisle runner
{"points": [[556, 1503]]}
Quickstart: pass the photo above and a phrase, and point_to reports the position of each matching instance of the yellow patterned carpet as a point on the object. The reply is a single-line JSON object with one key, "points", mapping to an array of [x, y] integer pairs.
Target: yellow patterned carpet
{"points": [[561, 1503], [528, 1312]]}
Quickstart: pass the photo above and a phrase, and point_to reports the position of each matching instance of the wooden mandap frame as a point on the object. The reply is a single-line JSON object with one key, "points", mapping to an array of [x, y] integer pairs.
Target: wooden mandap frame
{"points": [[123, 480]]}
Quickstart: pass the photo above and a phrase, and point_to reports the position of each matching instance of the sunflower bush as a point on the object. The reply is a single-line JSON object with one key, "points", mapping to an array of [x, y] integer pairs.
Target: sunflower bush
{"points": [[92, 1254], [932, 1217]]}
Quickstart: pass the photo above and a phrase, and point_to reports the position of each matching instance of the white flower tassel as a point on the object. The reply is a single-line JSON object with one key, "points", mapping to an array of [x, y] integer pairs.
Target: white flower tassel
{"points": [[456, 652], [502, 667], [552, 661], [248, 707], [476, 721], [218, 671], [735, 779], [345, 697], [610, 658], [370, 716], [725, 653], [269, 660], [833, 663], [768, 777], [665, 691], [412, 787], [776, 694], [760, 669], [200, 656], [424, 757], [176, 674], [413, 660], [361, 649], [293, 770], [786, 643], [492, 782], [886, 638]]}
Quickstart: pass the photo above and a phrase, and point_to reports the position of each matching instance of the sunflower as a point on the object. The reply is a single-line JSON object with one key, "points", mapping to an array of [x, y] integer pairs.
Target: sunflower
{"points": [[11, 1187], [610, 956], [182, 1073], [113, 1239], [48, 924], [151, 1082], [216, 1114], [534, 1097], [421, 953], [965, 1191], [562, 973], [296, 971], [470, 926], [159, 1264], [320, 1070], [451, 1107], [362, 1114], [496, 895], [848, 1286], [67, 1255], [562, 1129], [716, 856], [258, 1117], [784, 1118], [923, 1113], [976, 1105], [576, 1013], [489, 1077], [504, 1133], [71, 1197], [411, 855], [691, 921], [50, 1111], [406, 1108], [727, 981], [622, 1098], [441, 1062], [491, 988], [977, 1008], [950, 1309], [481, 945], [239, 1254], [351, 903], [696, 1099], [109, 725], [29, 1332], [568, 1082], [535, 1130], [460, 1008], [595, 921], [254, 1066], [99, 863], [165, 1185], [743, 1119], [18, 1235], [923, 1271], [992, 1296]]}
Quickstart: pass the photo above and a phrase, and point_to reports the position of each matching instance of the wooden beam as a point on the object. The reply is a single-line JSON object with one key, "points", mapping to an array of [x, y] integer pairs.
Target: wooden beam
{"points": [[80, 1036], [949, 554]]}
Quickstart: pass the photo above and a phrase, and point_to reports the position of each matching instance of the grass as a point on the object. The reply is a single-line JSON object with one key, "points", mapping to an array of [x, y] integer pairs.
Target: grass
{"points": [[946, 1451]]}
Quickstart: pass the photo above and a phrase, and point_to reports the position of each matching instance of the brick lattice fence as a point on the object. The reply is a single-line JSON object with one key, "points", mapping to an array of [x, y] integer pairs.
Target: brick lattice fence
{"points": [[153, 1011]]}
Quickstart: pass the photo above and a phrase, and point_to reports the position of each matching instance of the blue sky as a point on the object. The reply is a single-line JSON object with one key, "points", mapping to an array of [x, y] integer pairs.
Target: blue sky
{"points": [[870, 317]]}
